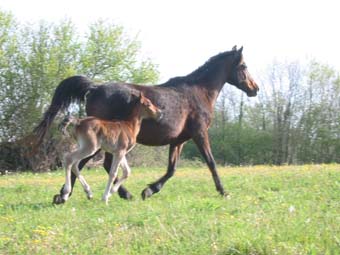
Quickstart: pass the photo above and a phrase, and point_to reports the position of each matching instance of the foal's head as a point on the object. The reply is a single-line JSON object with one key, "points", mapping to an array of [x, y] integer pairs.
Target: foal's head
{"points": [[240, 77], [147, 109]]}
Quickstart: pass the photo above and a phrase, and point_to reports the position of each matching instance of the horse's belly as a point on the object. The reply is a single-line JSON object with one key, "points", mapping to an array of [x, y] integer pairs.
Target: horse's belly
{"points": [[156, 134]]}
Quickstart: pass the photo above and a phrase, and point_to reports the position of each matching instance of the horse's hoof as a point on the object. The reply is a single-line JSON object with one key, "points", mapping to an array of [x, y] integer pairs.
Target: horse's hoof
{"points": [[224, 194], [128, 196], [125, 194], [57, 200], [105, 200], [89, 195], [146, 193]]}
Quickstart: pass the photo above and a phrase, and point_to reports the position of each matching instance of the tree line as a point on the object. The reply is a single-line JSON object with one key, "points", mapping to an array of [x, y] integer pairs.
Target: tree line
{"points": [[35, 58], [294, 119]]}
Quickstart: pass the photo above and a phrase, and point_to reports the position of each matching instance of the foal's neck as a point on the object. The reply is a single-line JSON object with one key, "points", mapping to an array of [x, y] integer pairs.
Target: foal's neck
{"points": [[135, 118]]}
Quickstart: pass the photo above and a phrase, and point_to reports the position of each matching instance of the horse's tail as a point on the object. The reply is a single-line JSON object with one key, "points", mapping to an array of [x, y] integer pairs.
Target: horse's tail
{"points": [[70, 90]]}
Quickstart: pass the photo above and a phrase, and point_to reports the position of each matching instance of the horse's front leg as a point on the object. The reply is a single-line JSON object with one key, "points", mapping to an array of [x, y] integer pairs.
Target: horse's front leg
{"points": [[112, 175], [202, 142], [58, 198], [122, 191], [174, 154]]}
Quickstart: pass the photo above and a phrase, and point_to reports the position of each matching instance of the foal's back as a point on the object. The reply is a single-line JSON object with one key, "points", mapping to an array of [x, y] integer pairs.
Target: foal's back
{"points": [[106, 135]]}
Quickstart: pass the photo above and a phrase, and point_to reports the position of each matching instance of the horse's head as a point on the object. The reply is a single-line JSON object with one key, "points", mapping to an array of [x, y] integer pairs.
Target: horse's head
{"points": [[149, 110], [239, 76]]}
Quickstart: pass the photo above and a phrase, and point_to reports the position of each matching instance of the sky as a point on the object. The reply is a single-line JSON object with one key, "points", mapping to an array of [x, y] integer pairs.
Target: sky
{"points": [[181, 35]]}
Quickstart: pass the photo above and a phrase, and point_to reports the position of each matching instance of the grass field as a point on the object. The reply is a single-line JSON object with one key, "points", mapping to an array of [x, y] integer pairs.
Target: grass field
{"points": [[271, 210]]}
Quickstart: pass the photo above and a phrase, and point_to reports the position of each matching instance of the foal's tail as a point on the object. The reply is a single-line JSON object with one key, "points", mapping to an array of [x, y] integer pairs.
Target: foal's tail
{"points": [[66, 122], [70, 90]]}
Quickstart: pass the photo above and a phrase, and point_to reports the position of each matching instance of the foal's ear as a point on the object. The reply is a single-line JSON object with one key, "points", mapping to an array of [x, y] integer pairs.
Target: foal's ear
{"points": [[234, 48], [141, 97]]}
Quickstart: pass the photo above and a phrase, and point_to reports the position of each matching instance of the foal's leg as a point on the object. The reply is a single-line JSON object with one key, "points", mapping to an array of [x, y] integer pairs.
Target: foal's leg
{"points": [[202, 142], [82, 180], [122, 191], [126, 173], [70, 160], [67, 186], [57, 199], [112, 175], [174, 153]]}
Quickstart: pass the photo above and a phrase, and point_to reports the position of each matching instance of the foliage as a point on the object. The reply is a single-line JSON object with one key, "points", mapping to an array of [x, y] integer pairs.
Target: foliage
{"points": [[271, 210], [35, 58], [295, 118]]}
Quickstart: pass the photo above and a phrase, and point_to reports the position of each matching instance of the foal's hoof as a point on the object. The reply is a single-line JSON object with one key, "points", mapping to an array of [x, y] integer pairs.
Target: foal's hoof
{"points": [[57, 200], [147, 192], [89, 195]]}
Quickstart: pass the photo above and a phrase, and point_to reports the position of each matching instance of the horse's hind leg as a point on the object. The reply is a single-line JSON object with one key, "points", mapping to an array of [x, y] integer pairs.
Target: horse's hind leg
{"points": [[122, 191], [174, 154], [57, 199]]}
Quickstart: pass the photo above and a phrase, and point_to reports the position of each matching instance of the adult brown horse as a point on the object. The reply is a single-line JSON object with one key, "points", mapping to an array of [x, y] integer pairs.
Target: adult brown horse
{"points": [[187, 104]]}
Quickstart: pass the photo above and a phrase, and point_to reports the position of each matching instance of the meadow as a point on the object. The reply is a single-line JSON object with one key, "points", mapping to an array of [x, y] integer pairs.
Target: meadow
{"points": [[270, 210]]}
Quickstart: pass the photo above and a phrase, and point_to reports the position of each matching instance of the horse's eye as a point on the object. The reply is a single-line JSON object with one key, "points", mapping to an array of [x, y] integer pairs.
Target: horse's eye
{"points": [[243, 67]]}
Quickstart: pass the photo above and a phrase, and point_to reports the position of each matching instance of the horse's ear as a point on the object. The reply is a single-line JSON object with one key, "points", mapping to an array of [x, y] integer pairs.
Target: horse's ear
{"points": [[238, 55], [234, 48]]}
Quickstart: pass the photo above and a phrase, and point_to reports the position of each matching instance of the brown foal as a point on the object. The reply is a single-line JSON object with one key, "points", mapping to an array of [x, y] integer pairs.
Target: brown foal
{"points": [[116, 136]]}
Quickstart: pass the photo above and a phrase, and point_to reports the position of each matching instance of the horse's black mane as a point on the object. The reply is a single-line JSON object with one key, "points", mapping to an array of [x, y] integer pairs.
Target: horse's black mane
{"points": [[202, 73]]}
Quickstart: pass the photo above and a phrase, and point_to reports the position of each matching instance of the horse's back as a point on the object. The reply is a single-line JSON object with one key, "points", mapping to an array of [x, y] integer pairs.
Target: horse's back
{"points": [[114, 101]]}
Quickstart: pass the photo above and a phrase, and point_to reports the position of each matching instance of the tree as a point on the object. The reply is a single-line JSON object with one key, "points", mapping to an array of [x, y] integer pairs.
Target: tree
{"points": [[34, 59]]}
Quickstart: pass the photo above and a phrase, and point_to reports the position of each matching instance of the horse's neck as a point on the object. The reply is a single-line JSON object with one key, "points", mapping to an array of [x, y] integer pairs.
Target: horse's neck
{"points": [[213, 83], [212, 89]]}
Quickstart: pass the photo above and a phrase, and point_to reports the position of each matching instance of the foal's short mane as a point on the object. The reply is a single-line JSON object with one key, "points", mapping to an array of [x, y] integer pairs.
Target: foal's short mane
{"points": [[202, 73]]}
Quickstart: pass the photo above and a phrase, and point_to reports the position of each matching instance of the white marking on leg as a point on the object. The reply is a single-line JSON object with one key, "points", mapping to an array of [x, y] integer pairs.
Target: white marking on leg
{"points": [[68, 166], [112, 176], [126, 174], [82, 180]]}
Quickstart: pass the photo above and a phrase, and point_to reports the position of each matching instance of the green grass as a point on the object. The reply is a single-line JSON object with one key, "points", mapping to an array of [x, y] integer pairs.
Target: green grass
{"points": [[271, 210]]}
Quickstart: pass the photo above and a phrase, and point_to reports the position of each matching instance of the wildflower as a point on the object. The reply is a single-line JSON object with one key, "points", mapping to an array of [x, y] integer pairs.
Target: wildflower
{"points": [[291, 209], [8, 219], [40, 232]]}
